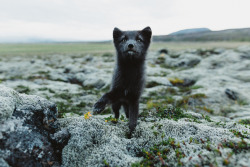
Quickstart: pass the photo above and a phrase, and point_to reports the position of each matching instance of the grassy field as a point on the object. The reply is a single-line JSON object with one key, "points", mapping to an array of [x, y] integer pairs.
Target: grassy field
{"points": [[83, 48]]}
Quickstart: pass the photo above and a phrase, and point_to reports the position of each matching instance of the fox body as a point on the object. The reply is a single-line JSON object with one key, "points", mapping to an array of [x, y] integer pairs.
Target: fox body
{"points": [[129, 74]]}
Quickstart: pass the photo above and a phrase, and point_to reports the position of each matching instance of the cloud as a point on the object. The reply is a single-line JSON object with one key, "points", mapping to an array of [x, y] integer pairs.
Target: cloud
{"points": [[95, 20]]}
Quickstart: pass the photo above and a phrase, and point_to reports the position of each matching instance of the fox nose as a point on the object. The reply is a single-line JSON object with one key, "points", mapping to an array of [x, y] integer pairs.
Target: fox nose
{"points": [[130, 46]]}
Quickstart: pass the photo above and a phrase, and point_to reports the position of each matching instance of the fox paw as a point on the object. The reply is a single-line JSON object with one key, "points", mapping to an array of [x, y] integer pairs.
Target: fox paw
{"points": [[99, 107]]}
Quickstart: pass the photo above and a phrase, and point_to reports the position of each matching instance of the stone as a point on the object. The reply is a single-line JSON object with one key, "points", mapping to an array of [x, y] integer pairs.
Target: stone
{"points": [[231, 94], [25, 128]]}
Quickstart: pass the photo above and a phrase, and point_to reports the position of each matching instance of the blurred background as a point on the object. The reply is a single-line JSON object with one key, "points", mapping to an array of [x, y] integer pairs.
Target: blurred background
{"points": [[91, 20]]}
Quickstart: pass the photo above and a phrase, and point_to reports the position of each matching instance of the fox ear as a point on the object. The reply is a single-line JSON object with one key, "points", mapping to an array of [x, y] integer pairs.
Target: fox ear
{"points": [[147, 32], [116, 33]]}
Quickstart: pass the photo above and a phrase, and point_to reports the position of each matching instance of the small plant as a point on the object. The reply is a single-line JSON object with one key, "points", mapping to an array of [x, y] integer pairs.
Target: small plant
{"points": [[87, 115], [111, 119], [106, 163]]}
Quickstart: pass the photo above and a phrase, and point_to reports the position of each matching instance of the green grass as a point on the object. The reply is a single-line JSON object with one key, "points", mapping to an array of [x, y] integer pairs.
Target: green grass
{"points": [[55, 48], [101, 47], [23, 89]]}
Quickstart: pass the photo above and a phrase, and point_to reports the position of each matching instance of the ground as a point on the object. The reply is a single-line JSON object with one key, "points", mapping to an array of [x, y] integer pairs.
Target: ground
{"points": [[195, 109]]}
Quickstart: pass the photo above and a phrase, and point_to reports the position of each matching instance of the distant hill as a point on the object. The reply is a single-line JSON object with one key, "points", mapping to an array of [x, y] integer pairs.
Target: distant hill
{"points": [[242, 34], [188, 31], [23, 39]]}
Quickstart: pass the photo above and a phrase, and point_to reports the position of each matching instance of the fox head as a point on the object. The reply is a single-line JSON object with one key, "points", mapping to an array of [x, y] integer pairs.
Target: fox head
{"points": [[132, 45]]}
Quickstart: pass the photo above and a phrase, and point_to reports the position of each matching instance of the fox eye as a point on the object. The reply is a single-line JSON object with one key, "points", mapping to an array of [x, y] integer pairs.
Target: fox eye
{"points": [[139, 40], [124, 40]]}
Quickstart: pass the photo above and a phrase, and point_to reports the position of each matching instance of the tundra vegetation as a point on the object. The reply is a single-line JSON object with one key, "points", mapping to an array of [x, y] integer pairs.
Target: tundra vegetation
{"points": [[195, 109]]}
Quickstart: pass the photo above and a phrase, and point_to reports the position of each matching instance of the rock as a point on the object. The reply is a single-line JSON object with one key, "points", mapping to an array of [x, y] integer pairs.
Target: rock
{"points": [[184, 83], [94, 142], [243, 76], [231, 94], [184, 60], [219, 50], [25, 129], [3, 163], [96, 82], [88, 78], [244, 49], [77, 78], [156, 81], [165, 51]]}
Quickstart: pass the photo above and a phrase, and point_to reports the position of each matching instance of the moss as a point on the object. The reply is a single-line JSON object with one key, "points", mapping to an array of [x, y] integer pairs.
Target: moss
{"points": [[152, 84], [175, 81], [106, 111], [163, 94], [18, 77], [225, 111], [81, 104], [107, 55], [207, 118], [160, 110], [198, 96], [37, 77], [206, 52], [151, 65], [226, 162], [196, 87], [237, 147], [64, 108], [171, 91], [163, 65], [185, 89], [209, 110], [44, 89], [65, 96], [245, 121], [160, 59], [114, 120], [242, 102], [158, 155], [144, 114], [43, 72], [106, 163], [23, 89], [238, 133], [184, 101], [136, 164]]}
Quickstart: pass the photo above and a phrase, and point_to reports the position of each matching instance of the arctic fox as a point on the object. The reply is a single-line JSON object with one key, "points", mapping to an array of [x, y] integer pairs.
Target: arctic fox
{"points": [[129, 74]]}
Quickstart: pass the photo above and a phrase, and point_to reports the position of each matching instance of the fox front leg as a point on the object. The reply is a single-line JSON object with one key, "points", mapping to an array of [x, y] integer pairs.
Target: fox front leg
{"points": [[133, 115], [101, 104]]}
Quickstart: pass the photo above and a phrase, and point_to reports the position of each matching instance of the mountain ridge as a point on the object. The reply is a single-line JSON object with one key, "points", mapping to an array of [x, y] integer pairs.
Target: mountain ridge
{"points": [[241, 34]]}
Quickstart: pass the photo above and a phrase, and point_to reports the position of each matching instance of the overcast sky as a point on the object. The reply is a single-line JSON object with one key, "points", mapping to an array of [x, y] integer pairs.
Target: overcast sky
{"points": [[95, 19]]}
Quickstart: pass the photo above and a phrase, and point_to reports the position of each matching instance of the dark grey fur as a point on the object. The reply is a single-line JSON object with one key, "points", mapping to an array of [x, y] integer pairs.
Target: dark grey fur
{"points": [[129, 74]]}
